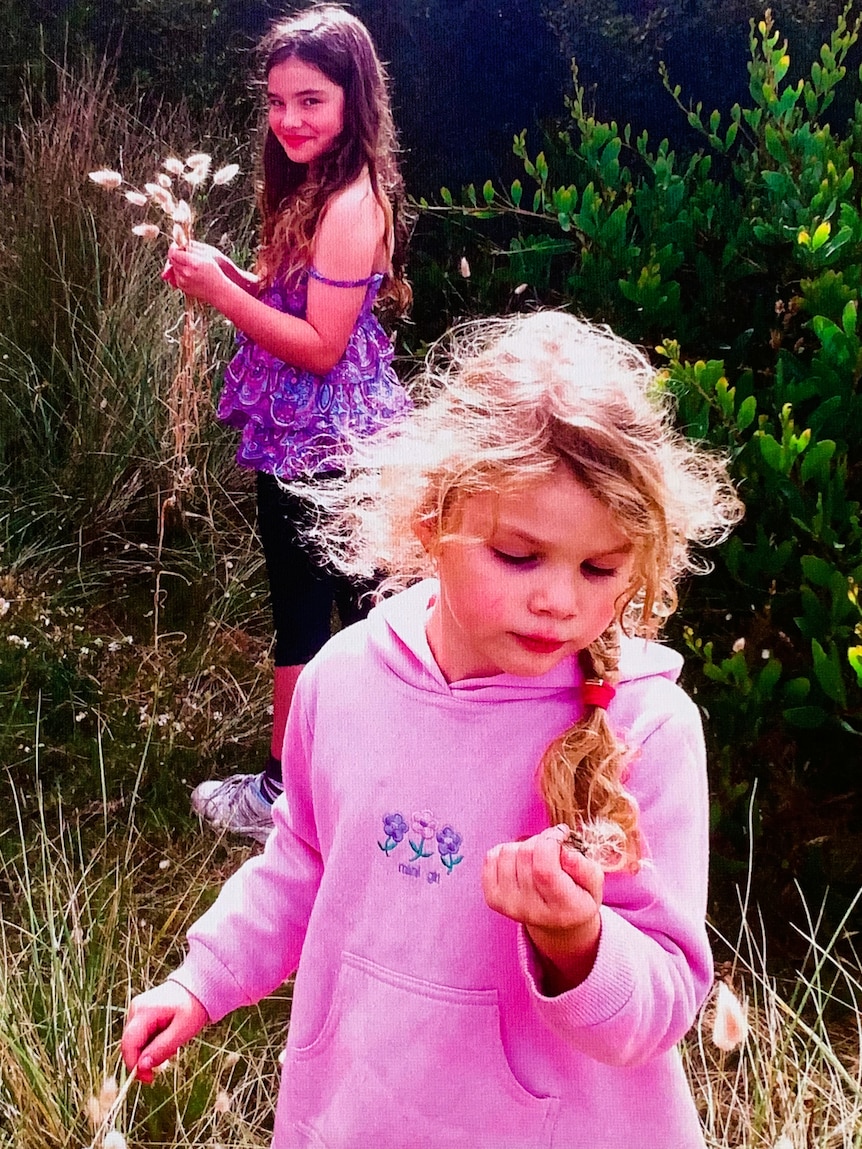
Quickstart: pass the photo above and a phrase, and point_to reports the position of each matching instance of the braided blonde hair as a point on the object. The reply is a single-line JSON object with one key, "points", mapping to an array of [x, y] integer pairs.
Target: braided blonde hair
{"points": [[510, 401]]}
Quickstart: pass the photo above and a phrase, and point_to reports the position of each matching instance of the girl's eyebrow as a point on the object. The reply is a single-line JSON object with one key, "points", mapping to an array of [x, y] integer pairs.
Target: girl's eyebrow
{"points": [[304, 92], [533, 541]]}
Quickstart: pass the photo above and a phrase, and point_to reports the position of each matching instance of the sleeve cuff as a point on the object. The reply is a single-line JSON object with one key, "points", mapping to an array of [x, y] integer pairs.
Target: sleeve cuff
{"points": [[204, 976], [606, 990]]}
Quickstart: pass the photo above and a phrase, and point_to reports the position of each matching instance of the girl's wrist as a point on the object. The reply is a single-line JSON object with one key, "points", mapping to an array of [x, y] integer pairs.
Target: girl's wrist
{"points": [[566, 956]]}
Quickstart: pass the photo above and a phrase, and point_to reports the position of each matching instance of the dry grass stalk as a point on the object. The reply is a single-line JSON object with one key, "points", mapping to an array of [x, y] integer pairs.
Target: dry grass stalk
{"points": [[183, 397], [103, 1112]]}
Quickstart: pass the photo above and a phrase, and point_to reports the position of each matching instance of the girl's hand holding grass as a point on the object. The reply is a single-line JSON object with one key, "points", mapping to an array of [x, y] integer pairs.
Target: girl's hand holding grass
{"points": [[556, 893], [158, 1023], [197, 271]]}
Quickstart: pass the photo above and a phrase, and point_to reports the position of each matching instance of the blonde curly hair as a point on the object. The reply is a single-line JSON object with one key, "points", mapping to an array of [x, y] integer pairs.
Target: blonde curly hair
{"points": [[508, 402]]}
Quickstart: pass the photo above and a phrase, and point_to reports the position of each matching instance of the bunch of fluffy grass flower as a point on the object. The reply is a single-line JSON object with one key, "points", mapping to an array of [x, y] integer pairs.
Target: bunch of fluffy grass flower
{"points": [[163, 193], [103, 1110]]}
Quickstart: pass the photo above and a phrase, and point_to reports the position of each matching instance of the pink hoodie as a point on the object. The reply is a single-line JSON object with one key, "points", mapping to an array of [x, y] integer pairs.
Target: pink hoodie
{"points": [[418, 1015]]}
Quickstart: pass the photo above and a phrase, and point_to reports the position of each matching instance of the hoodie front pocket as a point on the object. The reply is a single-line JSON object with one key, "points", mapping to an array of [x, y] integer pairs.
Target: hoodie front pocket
{"points": [[400, 1060]]}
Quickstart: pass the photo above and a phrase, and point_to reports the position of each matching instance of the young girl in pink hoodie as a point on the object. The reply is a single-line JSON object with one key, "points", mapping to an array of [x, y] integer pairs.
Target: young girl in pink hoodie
{"points": [[489, 866]]}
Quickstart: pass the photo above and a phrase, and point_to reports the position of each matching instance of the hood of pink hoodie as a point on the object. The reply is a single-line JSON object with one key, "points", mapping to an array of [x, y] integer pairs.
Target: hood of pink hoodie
{"points": [[396, 630]]}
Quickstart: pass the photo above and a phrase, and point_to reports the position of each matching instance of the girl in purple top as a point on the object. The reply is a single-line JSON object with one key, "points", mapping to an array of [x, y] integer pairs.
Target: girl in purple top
{"points": [[313, 369]]}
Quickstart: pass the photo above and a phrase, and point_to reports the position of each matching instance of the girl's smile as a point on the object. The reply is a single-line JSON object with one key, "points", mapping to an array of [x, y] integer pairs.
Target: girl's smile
{"points": [[529, 578], [306, 110]]}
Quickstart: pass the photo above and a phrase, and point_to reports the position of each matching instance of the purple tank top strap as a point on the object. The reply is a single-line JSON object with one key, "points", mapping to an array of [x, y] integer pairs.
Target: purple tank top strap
{"points": [[315, 274]]}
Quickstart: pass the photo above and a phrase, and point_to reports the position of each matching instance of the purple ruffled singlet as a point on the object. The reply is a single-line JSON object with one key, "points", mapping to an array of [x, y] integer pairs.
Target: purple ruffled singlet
{"points": [[295, 423]]}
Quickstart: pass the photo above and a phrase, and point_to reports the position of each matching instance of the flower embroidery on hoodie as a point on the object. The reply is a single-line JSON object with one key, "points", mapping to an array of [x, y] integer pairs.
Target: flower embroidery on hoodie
{"points": [[424, 826], [395, 828], [424, 832], [449, 843]]}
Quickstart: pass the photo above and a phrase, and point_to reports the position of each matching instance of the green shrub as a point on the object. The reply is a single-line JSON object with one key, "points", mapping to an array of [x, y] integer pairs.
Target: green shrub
{"points": [[741, 263]]}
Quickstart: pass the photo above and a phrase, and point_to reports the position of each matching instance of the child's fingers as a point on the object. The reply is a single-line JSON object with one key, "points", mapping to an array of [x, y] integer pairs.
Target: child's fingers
{"points": [[539, 881], [584, 871], [159, 1022]]}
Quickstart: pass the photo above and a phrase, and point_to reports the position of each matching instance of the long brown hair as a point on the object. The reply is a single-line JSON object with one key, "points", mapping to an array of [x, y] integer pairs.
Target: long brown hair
{"points": [[291, 201]]}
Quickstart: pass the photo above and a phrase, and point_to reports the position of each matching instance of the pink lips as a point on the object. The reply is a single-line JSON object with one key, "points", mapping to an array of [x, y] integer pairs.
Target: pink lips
{"points": [[296, 141], [536, 644]]}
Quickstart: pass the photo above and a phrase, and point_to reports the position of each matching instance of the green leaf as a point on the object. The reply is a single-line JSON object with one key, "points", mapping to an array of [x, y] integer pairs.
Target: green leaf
{"points": [[775, 145], [816, 460], [821, 234], [806, 717], [771, 451], [488, 192], [746, 413], [796, 691], [827, 671], [446, 196], [818, 571], [516, 191], [777, 182], [768, 679], [848, 318]]}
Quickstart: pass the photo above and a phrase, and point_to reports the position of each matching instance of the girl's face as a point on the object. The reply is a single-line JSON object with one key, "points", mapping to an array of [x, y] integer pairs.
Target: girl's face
{"points": [[306, 110], [535, 578]]}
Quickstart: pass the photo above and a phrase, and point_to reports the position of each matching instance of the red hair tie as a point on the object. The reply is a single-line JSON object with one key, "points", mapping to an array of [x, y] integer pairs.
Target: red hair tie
{"points": [[597, 692]]}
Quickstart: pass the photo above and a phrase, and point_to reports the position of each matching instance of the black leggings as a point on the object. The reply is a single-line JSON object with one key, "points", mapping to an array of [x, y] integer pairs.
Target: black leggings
{"points": [[302, 588]]}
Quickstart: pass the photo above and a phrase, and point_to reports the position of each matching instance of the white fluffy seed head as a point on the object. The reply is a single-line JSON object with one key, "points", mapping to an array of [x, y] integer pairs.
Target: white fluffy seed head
{"points": [[226, 174], [730, 1025], [106, 178], [222, 1101], [109, 1091]]}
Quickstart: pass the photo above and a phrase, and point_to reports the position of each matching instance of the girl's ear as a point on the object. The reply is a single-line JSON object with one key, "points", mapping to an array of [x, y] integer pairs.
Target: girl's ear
{"points": [[425, 530]]}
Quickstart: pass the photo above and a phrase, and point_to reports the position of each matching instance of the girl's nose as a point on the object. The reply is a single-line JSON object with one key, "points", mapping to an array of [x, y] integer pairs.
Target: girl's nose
{"points": [[556, 596], [283, 119]]}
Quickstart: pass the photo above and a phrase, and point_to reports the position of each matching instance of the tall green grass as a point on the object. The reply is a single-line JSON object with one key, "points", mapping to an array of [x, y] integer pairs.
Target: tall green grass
{"points": [[796, 1082], [88, 333], [98, 913], [88, 350]]}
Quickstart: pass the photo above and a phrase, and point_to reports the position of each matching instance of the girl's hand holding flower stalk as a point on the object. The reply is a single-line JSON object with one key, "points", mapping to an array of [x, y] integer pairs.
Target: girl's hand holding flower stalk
{"points": [[203, 272], [158, 1023], [196, 272], [556, 893]]}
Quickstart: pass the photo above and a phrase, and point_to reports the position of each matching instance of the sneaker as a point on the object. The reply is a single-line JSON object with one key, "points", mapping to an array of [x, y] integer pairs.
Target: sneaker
{"points": [[235, 804]]}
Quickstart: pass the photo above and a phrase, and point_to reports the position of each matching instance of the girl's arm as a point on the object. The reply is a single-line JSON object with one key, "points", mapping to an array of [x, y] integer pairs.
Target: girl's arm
{"points": [[651, 965], [346, 245], [249, 941]]}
